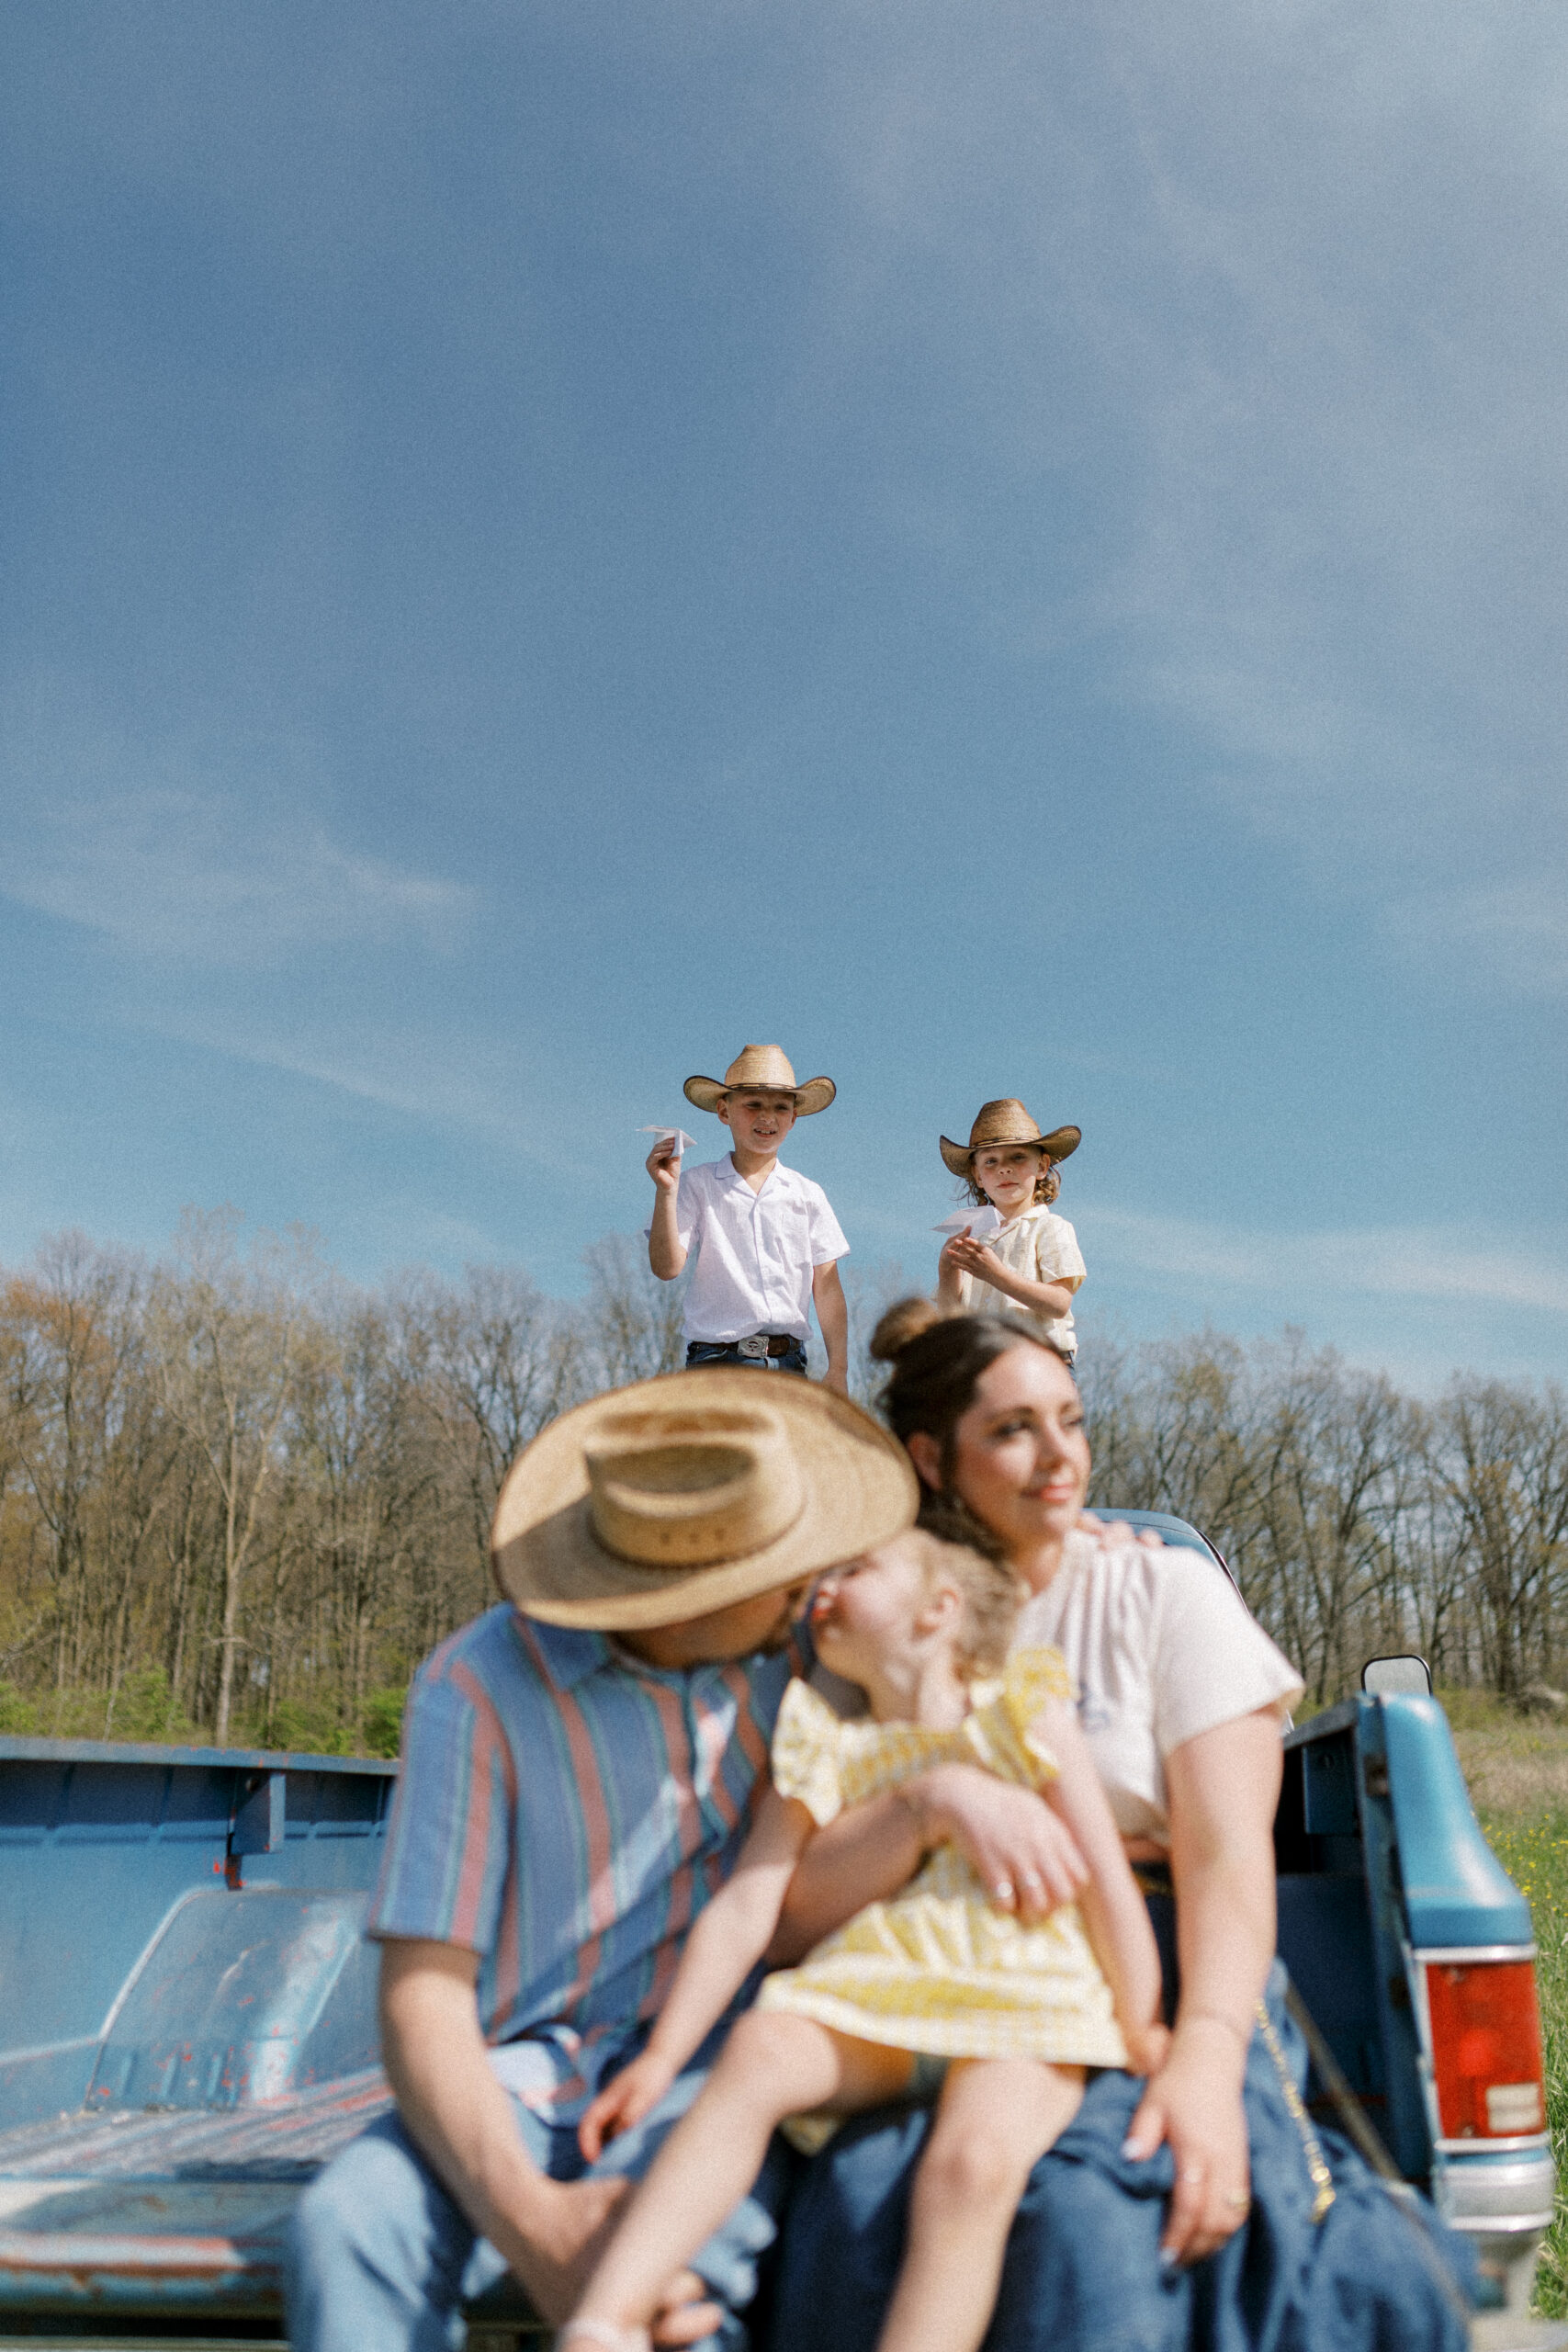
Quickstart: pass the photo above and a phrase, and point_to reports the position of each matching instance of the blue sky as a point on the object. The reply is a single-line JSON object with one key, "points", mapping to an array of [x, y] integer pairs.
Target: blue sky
{"points": [[1013, 552]]}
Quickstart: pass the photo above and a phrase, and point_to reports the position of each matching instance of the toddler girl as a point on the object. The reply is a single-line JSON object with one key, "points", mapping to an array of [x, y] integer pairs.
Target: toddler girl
{"points": [[938, 1985], [1033, 1265]]}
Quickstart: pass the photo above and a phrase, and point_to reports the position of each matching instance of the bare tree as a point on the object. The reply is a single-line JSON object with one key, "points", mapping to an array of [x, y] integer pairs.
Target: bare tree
{"points": [[231, 1334], [499, 1360], [630, 1323], [235, 1494], [1500, 1455]]}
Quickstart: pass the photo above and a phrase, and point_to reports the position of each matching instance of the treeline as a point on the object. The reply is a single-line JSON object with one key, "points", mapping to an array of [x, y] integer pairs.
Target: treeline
{"points": [[239, 1498], [1355, 1519]]}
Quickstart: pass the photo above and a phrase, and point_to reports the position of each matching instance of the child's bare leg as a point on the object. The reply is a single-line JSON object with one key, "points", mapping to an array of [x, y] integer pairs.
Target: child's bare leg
{"points": [[995, 2119], [772, 2065]]}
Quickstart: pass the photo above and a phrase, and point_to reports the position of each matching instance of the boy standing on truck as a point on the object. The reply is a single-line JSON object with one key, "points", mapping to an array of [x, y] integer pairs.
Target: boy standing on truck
{"points": [[767, 1242]]}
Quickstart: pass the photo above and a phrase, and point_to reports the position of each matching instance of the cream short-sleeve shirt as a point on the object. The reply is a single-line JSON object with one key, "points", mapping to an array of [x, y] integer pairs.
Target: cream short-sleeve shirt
{"points": [[1162, 1647], [1042, 1247]]}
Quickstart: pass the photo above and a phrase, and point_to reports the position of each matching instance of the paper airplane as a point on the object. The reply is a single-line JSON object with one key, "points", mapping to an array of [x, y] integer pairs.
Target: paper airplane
{"points": [[980, 1224], [683, 1142]]}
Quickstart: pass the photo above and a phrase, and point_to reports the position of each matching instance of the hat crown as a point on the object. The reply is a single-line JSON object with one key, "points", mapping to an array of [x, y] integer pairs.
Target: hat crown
{"points": [[1003, 1121], [673, 1489], [761, 1065]]}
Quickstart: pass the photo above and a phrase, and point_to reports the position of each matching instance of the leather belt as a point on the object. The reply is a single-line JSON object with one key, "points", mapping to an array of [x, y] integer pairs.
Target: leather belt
{"points": [[767, 1343]]}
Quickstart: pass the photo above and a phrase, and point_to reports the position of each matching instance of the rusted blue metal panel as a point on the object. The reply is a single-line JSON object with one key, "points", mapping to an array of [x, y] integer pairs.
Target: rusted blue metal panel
{"points": [[100, 1846]]}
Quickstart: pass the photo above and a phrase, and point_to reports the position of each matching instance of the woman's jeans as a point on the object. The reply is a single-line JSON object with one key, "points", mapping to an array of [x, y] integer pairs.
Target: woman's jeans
{"points": [[1083, 2271]]}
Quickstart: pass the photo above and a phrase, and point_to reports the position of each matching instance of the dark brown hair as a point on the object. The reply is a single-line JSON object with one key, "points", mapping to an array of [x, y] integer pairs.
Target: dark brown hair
{"points": [[938, 1361]]}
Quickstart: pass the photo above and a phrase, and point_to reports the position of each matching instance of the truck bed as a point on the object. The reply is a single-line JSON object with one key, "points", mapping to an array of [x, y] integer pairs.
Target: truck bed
{"points": [[187, 2026]]}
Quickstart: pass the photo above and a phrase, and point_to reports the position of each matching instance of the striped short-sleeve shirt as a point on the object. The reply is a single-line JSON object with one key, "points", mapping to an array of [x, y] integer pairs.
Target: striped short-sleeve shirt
{"points": [[565, 1811]]}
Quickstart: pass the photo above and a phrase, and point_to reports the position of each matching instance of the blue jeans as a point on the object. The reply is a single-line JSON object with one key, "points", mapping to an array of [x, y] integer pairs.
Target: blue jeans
{"points": [[728, 1351], [1083, 2273], [381, 2260]]}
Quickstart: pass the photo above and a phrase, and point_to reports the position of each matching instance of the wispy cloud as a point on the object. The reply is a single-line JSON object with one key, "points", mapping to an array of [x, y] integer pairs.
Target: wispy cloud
{"points": [[209, 853], [1287, 282], [1412, 1262], [445, 1077]]}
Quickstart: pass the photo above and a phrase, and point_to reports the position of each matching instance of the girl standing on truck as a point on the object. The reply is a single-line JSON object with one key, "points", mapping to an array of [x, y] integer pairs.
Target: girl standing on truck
{"points": [[1027, 1269], [941, 1989]]}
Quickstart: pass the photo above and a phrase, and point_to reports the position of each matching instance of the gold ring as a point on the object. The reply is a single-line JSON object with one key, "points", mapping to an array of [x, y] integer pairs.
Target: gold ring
{"points": [[1238, 2200]]}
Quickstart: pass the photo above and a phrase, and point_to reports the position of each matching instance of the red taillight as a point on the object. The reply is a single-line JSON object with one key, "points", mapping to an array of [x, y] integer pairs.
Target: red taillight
{"points": [[1485, 2048]]}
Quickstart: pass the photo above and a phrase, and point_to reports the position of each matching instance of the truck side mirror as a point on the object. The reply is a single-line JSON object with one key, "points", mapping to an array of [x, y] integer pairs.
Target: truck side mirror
{"points": [[1405, 1677]]}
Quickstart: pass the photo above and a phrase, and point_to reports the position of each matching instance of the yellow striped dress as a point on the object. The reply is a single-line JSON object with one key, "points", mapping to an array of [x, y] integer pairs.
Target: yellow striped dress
{"points": [[936, 1967]]}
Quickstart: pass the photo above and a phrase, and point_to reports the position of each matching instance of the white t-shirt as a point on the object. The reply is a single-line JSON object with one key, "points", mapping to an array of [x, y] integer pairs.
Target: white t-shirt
{"points": [[1162, 1647], [1042, 1247], [756, 1252]]}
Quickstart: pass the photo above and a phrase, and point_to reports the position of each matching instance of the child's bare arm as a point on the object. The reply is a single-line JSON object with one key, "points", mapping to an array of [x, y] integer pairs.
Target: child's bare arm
{"points": [[948, 1270], [833, 1319], [730, 1936], [665, 1254], [1113, 1909]]}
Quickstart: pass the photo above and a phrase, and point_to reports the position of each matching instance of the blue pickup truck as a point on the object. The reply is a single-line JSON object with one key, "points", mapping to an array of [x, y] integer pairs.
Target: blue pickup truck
{"points": [[187, 2016]]}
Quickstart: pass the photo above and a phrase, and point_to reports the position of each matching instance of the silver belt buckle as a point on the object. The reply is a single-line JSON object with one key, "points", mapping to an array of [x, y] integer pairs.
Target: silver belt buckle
{"points": [[754, 1349]]}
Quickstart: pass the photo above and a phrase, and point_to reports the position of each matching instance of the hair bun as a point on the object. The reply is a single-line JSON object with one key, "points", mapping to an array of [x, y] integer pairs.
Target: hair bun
{"points": [[908, 1320]]}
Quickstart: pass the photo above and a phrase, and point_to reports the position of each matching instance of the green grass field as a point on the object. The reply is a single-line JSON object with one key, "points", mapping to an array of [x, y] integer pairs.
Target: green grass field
{"points": [[1519, 1779]]}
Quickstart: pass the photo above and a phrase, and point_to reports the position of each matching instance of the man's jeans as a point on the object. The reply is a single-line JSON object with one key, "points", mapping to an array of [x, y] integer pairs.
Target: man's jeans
{"points": [[703, 1351], [381, 2260]]}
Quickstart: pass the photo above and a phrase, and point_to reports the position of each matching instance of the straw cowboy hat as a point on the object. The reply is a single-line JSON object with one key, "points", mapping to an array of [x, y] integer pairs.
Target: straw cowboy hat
{"points": [[764, 1066], [687, 1493], [1007, 1120]]}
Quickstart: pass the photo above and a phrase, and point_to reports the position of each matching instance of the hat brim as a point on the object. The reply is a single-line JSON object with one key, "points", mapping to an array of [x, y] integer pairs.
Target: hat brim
{"points": [[860, 1490], [815, 1095], [1061, 1142]]}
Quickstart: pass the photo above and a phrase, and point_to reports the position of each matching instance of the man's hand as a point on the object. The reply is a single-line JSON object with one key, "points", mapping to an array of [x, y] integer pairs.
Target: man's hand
{"points": [[625, 2100], [549, 2233], [575, 2227], [569, 2225]]}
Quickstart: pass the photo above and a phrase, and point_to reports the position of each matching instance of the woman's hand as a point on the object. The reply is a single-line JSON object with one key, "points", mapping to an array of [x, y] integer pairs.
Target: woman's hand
{"points": [[1194, 2101], [625, 2100], [1025, 1857]]}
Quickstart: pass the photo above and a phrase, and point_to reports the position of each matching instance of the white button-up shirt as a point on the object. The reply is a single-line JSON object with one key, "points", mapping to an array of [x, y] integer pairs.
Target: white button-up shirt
{"points": [[756, 1252]]}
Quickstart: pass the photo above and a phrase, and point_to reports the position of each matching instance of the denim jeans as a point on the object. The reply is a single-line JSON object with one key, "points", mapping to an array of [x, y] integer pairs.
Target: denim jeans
{"points": [[381, 2260], [1083, 2272], [728, 1351]]}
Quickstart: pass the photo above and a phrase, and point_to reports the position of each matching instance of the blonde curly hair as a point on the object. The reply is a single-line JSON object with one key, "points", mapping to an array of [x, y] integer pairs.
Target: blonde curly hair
{"points": [[1047, 1184], [992, 1596]]}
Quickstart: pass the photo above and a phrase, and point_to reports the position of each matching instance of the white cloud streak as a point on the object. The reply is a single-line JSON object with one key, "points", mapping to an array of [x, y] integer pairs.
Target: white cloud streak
{"points": [[210, 854], [1304, 262], [1410, 1262]]}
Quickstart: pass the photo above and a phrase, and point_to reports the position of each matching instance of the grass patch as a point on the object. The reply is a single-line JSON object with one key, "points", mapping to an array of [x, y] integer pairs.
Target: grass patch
{"points": [[1534, 1852], [143, 1709], [1518, 1771]]}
